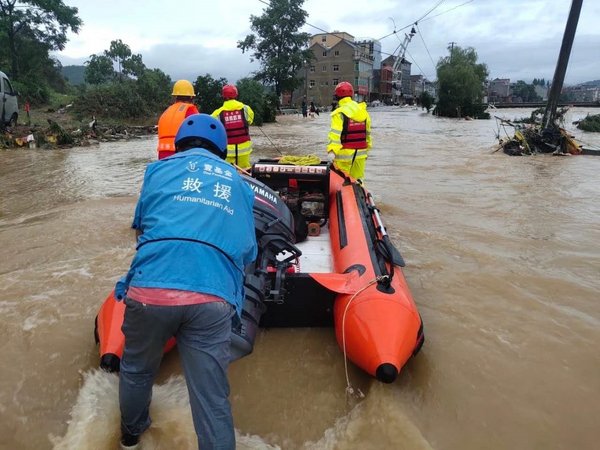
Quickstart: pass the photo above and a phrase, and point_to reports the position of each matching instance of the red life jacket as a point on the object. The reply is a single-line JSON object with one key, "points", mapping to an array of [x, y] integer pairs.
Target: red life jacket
{"points": [[236, 126], [354, 134]]}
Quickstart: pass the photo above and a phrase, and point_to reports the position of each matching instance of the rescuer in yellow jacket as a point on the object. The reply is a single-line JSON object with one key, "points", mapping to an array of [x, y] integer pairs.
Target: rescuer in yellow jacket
{"points": [[170, 120], [350, 133], [237, 118]]}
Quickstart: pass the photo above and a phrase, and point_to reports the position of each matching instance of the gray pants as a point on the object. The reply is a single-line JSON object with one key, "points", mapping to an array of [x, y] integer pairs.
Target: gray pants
{"points": [[203, 334]]}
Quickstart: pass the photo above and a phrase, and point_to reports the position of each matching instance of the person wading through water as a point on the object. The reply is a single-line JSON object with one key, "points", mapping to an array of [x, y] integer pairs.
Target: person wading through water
{"points": [[236, 117], [186, 280], [350, 133], [170, 120]]}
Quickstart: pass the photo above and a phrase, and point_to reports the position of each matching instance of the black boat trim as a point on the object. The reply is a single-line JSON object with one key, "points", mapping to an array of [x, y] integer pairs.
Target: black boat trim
{"points": [[341, 219]]}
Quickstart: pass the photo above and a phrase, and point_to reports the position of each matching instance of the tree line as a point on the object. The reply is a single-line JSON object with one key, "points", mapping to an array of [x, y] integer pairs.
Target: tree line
{"points": [[118, 83], [120, 86]]}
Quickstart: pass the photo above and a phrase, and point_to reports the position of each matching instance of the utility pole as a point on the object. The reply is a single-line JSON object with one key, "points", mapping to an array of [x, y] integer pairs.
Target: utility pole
{"points": [[561, 65], [398, 64], [451, 44]]}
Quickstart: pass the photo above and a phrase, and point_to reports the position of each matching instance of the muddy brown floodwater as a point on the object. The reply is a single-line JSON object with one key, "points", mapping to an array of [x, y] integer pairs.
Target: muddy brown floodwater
{"points": [[503, 260]]}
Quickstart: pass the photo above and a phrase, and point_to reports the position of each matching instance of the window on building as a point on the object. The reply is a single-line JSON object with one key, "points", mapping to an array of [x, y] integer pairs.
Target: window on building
{"points": [[336, 53], [356, 66], [312, 68], [325, 53], [323, 38], [336, 67], [324, 68], [335, 81], [311, 84]]}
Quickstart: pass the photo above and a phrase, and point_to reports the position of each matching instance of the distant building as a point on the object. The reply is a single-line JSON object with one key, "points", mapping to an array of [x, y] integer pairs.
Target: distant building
{"points": [[431, 88], [541, 91], [402, 92], [417, 85], [582, 93], [386, 75], [499, 91], [339, 57]]}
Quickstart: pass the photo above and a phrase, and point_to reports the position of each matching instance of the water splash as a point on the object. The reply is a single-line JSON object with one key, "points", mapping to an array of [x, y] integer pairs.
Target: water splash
{"points": [[95, 418]]}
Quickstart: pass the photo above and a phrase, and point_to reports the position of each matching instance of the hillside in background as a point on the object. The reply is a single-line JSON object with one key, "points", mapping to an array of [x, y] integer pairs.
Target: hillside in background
{"points": [[595, 83], [74, 74]]}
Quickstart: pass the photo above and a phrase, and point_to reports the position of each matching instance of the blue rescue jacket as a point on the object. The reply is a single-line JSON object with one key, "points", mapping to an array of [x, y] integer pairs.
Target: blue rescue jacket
{"points": [[195, 214]]}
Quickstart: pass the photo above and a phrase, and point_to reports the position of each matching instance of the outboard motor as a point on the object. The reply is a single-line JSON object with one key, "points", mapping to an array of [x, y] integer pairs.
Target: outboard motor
{"points": [[274, 225]]}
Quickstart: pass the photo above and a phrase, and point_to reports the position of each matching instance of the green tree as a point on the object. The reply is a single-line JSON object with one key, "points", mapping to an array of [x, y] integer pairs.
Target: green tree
{"points": [[252, 93], [99, 69], [208, 93], [134, 66], [140, 93], [119, 52], [525, 91], [278, 45], [426, 100], [461, 84], [43, 21], [155, 87]]}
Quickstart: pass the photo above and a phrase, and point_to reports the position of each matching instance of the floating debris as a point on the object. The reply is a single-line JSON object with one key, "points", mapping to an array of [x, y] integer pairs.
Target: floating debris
{"points": [[529, 137]]}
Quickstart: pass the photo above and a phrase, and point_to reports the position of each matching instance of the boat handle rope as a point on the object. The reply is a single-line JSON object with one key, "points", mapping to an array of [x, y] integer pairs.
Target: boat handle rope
{"points": [[350, 391]]}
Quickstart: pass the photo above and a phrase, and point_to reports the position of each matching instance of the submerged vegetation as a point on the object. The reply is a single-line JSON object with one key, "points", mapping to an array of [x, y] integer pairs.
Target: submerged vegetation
{"points": [[590, 123]]}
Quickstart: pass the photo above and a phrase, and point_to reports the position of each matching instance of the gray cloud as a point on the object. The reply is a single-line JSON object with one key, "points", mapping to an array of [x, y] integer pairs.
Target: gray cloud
{"points": [[190, 61], [517, 39]]}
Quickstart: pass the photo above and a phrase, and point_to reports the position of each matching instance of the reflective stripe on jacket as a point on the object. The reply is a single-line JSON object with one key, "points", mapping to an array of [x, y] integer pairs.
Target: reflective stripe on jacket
{"points": [[236, 118], [169, 123], [346, 149]]}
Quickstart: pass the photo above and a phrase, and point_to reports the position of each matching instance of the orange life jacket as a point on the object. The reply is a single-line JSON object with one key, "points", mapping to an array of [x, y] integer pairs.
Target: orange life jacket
{"points": [[236, 126], [354, 134], [169, 123]]}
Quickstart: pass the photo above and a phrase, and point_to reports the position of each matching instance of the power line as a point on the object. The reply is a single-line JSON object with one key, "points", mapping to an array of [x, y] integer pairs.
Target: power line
{"points": [[421, 36], [448, 10], [415, 63], [412, 23], [430, 11], [415, 23]]}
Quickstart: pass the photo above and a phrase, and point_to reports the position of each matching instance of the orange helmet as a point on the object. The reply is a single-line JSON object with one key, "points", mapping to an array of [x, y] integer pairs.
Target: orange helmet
{"points": [[344, 89], [229, 92]]}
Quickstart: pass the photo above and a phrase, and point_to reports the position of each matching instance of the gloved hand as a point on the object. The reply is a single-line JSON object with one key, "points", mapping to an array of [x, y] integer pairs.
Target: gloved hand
{"points": [[330, 156]]}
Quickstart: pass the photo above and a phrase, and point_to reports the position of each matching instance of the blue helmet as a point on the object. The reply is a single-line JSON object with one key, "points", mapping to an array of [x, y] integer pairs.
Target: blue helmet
{"points": [[202, 131]]}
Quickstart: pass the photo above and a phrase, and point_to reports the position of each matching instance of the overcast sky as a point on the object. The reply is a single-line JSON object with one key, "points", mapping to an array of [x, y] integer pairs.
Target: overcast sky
{"points": [[517, 39]]}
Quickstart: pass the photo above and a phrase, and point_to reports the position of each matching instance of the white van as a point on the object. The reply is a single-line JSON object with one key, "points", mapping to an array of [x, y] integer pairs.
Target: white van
{"points": [[8, 97]]}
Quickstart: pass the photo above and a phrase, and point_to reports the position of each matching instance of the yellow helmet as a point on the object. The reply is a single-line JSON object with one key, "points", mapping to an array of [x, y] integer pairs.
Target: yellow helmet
{"points": [[183, 88]]}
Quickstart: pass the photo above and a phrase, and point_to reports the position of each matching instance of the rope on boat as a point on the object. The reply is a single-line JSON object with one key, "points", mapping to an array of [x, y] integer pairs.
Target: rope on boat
{"points": [[306, 160], [239, 169], [349, 389]]}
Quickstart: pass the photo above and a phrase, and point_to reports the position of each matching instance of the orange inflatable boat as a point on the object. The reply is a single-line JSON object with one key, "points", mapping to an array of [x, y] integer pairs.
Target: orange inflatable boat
{"points": [[325, 259]]}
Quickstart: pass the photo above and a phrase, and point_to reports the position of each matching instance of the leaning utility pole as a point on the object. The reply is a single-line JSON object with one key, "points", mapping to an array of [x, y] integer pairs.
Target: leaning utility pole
{"points": [[561, 65], [398, 66]]}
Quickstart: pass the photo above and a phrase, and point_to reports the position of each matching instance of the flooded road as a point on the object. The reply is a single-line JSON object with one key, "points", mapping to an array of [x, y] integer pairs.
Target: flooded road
{"points": [[503, 260]]}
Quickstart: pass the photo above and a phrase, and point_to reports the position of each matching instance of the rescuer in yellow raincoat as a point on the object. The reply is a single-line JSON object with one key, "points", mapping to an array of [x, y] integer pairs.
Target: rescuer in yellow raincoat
{"points": [[350, 133], [237, 118]]}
